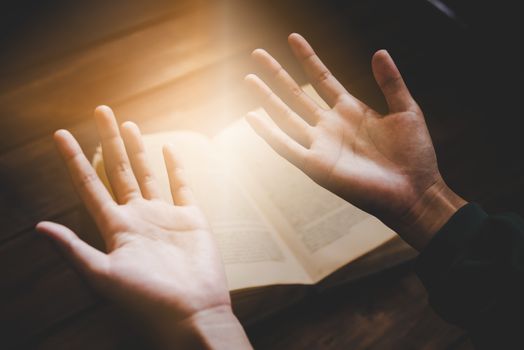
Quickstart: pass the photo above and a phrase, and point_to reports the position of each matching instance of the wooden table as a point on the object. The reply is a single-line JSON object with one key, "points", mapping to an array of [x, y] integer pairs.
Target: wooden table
{"points": [[180, 64]]}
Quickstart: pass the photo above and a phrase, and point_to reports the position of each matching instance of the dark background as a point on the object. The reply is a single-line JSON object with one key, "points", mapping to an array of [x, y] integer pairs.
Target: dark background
{"points": [[461, 59]]}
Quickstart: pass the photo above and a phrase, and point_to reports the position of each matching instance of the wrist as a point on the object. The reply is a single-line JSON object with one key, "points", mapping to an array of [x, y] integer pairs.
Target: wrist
{"points": [[213, 328], [428, 214]]}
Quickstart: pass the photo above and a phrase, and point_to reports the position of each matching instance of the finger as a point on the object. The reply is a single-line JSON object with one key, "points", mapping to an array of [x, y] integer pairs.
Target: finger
{"points": [[85, 180], [90, 261], [324, 82], [291, 123], [293, 93], [391, 83], [137, 155], [116, 162], [277, 139], [180, 190]]}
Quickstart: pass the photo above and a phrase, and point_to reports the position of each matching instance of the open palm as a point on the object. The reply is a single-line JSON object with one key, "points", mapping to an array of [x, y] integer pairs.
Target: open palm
{"points": [[381, 163], [161, 260]]}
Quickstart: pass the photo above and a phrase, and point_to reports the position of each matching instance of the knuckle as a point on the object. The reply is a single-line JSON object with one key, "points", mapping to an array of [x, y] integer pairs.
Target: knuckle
{"points": [[279, 72], [323, 75], [148, 178], [121, 167], [87, 179], [296, 91]]}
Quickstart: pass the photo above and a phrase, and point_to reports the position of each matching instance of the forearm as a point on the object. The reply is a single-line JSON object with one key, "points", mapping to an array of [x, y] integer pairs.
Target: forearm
{"points": [[215, 328], [428, 215]]}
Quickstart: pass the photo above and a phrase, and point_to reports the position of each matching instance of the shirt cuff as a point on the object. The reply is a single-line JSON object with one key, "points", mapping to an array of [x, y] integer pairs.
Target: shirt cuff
{"points": [[449, 243]]}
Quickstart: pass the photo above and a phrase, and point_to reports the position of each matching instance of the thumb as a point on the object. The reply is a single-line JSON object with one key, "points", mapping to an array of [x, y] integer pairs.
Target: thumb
{"points": [[92, 262], [391, 83]]}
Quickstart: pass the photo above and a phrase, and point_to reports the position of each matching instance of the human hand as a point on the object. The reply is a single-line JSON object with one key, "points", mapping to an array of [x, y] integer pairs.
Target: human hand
{"points": [[162, 262], [384, 164]]}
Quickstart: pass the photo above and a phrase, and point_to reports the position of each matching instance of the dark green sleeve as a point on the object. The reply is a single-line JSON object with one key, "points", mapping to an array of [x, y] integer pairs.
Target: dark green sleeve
{"points": [[473, 270]]}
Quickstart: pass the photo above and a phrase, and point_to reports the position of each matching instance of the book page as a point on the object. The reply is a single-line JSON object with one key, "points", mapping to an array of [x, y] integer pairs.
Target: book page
{"points": [[253, 254], [324, 231]]}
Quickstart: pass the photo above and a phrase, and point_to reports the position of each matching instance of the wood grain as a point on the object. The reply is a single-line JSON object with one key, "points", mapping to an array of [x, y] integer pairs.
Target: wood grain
{"points": [[180, 64], [38, 287], [115, 71]]}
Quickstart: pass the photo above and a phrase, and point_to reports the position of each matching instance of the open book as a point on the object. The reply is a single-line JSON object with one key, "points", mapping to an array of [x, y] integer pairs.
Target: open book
{"points": [[273, 225]]}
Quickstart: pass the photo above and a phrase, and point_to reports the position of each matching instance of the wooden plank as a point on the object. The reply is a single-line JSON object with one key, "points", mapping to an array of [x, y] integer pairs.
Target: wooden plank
{"points": [[115, 71], [393, 306], [67, 89], [14, 215], [32, 32], [38, 287], [34, 169], [101, 327]]}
